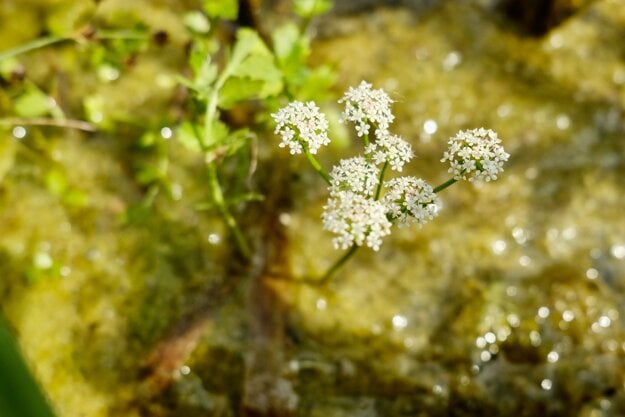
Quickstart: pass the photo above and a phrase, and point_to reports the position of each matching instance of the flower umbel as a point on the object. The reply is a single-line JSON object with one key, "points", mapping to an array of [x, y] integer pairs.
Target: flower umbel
{"points": [[356, 175], [356, 219], [390, 148], [410, 199], [367, 107], [475, 154], [301, 126]]}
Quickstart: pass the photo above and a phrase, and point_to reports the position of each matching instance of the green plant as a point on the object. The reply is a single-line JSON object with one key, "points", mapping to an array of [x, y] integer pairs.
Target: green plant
{"points": [[362, 206]]}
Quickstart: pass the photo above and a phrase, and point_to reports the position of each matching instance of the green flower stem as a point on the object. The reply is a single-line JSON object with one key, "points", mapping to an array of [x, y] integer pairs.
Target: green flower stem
{"points": [[445, 185], [366, 138], [317, 166], [381, 181], [339, 263], [218, 198], [36, 44]]}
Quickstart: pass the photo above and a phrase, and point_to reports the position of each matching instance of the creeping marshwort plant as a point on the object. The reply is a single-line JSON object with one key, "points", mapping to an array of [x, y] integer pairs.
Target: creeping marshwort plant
{"points": [[362, 206]]}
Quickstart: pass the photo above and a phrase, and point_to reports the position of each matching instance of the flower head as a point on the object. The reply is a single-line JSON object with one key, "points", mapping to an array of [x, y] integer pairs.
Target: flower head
{"points": [[301, 125], [475, 154], [367, 107], [356, 219], [390, 148], [356, 175], [410, 199]]}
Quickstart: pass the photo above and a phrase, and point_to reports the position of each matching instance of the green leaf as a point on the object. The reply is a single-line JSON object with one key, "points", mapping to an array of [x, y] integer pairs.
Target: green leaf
{"points": [[222, 9], [217, 134], [187, 134], [204, 69], [33, 103], [196, 22], [311, 8], [290, 47], [251, 72], [236, 90], [19, 393]]}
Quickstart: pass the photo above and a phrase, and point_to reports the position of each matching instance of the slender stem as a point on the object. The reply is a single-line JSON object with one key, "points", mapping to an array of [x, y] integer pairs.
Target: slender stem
{"points": [[444, 185], [339, 263], [379, 189], [366, 138], [29, 46], [317, 166], [41, 121], [218, 197]]}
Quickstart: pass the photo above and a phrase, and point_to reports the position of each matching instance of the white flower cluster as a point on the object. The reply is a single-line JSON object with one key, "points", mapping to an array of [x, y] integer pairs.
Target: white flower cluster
{"points": [[357, 211], [356, 219], [410, 199], [390, 148], [356, 175], [301, 125], [475, 154], [367, 107]]}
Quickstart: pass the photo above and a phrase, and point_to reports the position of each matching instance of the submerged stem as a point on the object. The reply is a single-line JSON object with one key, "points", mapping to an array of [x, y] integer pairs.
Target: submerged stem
{"points": [[219, 200], [30, 46], [339, 263]]}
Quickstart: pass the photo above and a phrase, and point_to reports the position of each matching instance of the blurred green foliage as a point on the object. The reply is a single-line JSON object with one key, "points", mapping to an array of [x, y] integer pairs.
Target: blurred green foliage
{"points": [[19, 393]]}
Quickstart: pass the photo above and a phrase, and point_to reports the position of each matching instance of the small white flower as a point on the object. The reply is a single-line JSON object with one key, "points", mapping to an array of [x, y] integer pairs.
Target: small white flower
{"points": [[356, 219], [301, 125], [475, 154], [356, 175], [367, 107], [410, 199], [390, 148]]}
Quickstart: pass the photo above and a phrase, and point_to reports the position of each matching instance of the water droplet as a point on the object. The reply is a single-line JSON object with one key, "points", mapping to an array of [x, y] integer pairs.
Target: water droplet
{"points": [[618, 251], [553, 356], [556, 41], [499, 246], [525, 260], [321, 304], [485, 356], [619, 76], [185, 370], [490, 337], [504, 111], [519, 235], [285, 219], [43, 260], [563, 121], [604, 321], [65, 271], [19, 132], [480, 342], [543, 312], [568, 315], [214, 238], [166, 133], [430, 126], [546, 384], [535, 338], [511, 291], [569, 233], [437, 389], [592, 273], [399, 322], [452, 60], [513, 320]]}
